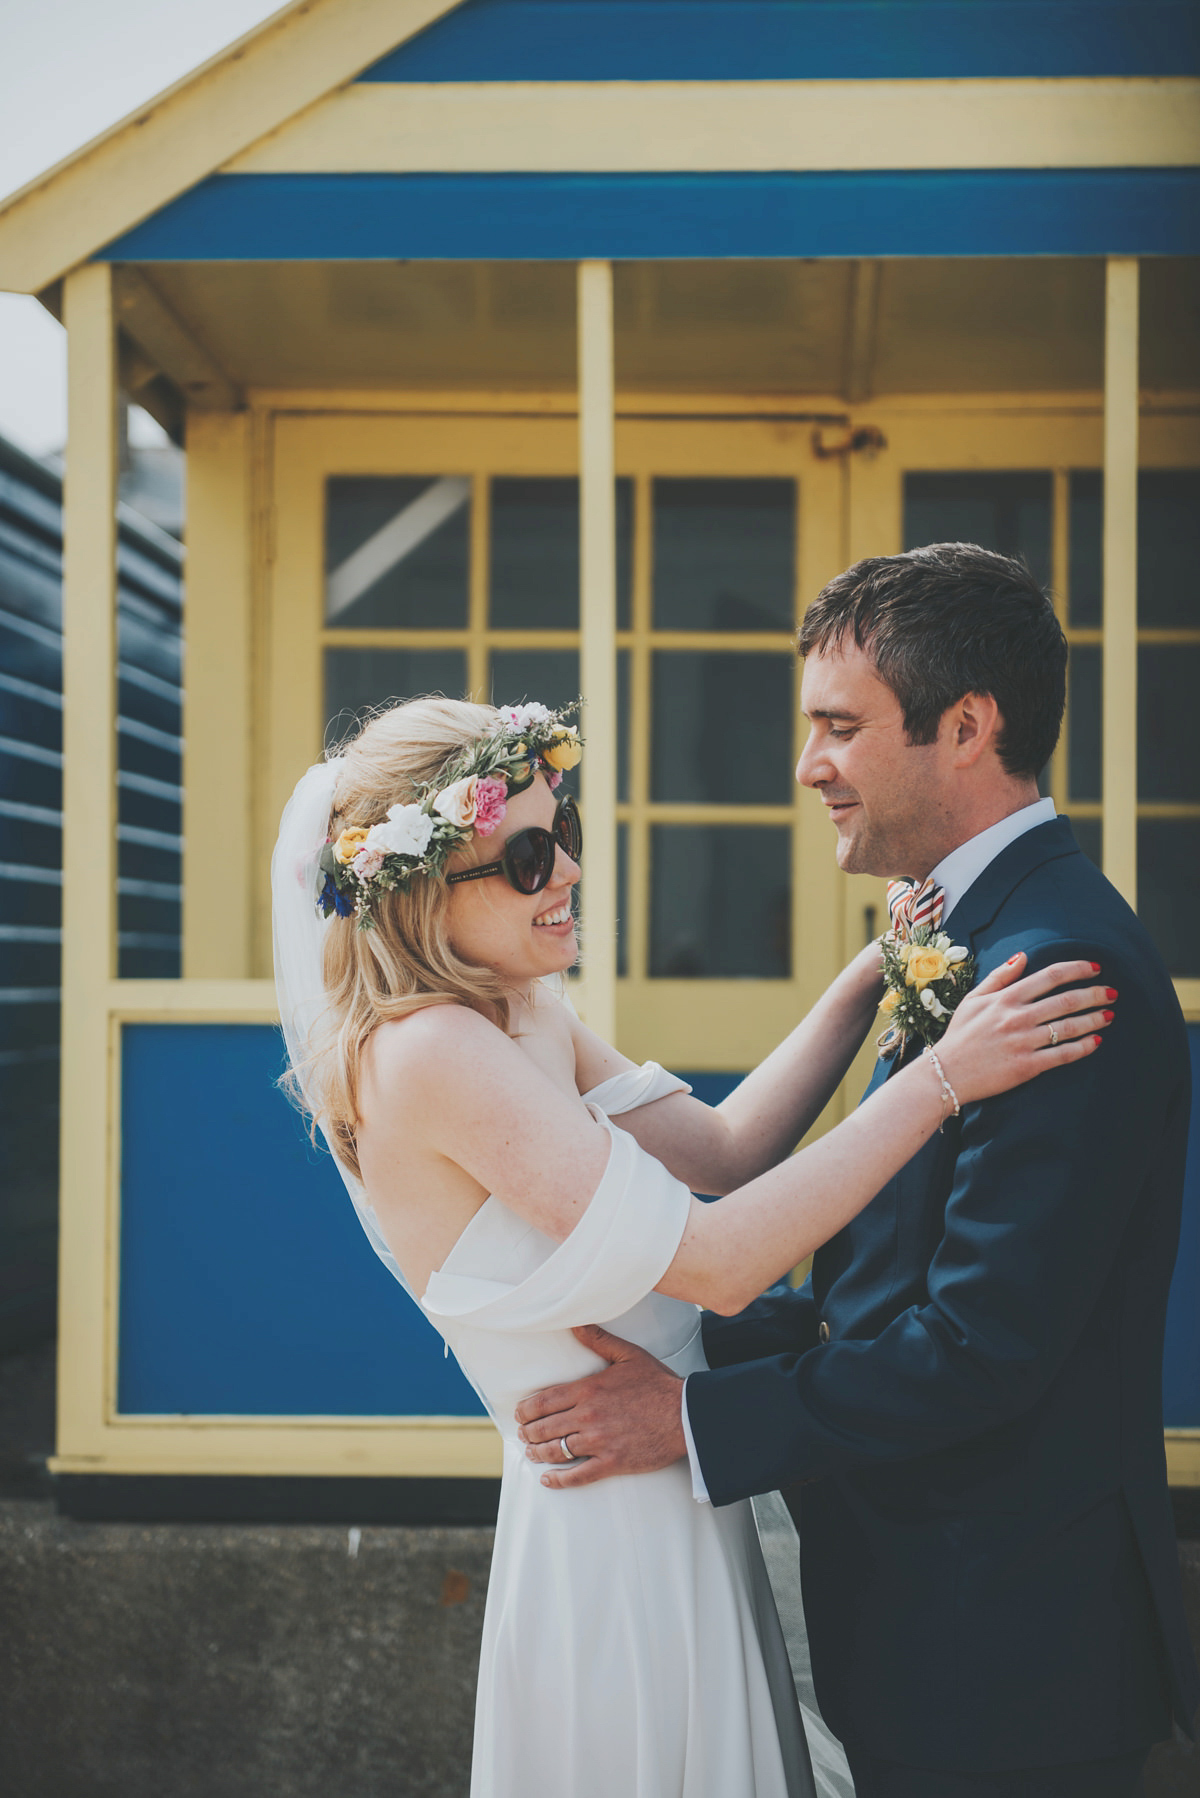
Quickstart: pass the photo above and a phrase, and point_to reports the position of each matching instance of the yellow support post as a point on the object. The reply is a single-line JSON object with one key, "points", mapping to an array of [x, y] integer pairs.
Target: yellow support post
{"points": [[1120, 575], [598, 627], [218, 863], [89, 850]]}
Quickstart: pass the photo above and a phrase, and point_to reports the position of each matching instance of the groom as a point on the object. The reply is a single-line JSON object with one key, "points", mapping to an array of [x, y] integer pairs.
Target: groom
{"points": [[964, 1401]]}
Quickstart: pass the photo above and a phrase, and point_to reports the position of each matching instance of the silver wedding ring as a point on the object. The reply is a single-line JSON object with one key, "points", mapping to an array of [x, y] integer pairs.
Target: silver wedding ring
{"points": [[1053, 1036], [567, 1455]]}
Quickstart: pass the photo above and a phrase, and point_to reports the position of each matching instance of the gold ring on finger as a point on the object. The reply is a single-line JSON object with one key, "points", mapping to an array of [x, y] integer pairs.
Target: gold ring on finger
{"points": [[1053, 1036]]}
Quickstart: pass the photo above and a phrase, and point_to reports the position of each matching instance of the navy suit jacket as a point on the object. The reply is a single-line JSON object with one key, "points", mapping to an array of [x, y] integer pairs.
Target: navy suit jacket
{"points": [[988, 1555]]}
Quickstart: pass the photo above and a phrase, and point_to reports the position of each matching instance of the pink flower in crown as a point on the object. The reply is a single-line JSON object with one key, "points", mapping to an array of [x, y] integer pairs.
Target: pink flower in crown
{"points": [[367, 862], [491, 800], [554, 780]]}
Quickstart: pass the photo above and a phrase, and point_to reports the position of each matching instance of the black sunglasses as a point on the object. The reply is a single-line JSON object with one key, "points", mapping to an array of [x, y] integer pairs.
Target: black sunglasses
{"points": [[528, 859]]}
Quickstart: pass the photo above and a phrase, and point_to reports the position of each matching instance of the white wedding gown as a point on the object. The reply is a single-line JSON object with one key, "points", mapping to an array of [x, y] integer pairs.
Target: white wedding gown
{"points": [[631, 1646]]}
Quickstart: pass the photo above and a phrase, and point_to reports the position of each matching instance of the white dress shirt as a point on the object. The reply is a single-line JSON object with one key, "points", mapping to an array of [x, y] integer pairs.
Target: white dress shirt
{"points": [[954, 873]]}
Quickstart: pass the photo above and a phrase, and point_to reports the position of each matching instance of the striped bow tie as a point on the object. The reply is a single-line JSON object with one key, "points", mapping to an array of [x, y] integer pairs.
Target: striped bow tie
{"points": [[910, 906]]}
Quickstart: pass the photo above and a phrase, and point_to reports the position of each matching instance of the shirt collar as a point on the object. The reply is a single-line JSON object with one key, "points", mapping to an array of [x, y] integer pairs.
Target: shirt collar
{"points": [[959, 870]]}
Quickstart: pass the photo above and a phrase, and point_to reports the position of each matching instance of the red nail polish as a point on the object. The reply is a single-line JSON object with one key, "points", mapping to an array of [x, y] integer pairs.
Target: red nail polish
{"points": [[1097, 1040], [1110, 992], [1011, 959], [1095, 967], [1107, 1016]]}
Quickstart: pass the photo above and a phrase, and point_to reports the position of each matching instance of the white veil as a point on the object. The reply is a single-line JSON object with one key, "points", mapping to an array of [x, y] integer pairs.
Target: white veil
{"points": [[299, 933]]}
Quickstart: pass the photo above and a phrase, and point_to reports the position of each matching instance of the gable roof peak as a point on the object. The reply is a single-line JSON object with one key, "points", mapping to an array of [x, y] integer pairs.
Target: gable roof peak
{"points": [[286, 63]]}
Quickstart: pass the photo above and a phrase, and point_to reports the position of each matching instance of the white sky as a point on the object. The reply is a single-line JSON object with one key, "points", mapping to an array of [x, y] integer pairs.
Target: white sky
{"points": [[69, 69]]}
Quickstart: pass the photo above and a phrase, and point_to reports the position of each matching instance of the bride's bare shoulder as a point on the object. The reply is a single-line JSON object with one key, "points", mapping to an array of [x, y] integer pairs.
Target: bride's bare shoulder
{"points": [[422, 1050]]}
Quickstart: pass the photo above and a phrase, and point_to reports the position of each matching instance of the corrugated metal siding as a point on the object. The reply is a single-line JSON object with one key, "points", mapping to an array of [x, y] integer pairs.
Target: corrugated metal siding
{"points": [[150, 798]]}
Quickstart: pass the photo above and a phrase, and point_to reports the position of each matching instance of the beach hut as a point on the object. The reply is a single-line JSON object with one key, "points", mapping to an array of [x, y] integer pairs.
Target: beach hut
{"points": [[533, 346]]}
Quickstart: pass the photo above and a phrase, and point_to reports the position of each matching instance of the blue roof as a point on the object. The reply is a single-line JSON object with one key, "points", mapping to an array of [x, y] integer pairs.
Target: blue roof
{"points": [[761, 40], [538, 217]]}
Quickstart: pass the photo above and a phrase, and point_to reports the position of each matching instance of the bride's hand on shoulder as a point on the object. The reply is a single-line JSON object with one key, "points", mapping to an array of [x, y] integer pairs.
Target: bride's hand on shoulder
{"points": [[1014, 1026]]}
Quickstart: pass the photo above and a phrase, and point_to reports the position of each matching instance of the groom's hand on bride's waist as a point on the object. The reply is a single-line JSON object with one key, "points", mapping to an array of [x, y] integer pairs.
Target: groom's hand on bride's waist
{"points": [[626, 1419]]}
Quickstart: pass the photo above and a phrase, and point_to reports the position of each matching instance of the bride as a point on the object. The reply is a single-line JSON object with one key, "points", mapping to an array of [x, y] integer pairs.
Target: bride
{"points": [[521, 1177]]}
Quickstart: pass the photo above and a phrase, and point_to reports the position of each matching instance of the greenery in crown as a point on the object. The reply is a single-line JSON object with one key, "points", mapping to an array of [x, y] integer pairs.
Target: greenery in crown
{"points": [[925, 979], [468, 799]]}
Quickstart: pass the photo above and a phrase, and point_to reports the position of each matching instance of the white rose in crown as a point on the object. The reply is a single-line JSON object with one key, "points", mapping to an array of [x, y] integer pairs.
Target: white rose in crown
{"points": [[457, 803], [405, 831], [521, 717]]}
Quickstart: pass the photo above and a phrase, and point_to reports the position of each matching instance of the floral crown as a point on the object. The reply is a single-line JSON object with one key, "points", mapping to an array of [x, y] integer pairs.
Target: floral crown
{"points": [[469, 799]]}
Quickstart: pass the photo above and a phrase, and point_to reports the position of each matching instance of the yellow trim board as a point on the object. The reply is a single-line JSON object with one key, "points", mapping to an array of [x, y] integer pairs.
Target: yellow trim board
{"points": [[178, 1001], [611, 126], [89, 842], [379, 1447], [1183, 1457], [287, 63], [670, 406], [375, 1447], [597, 637]]}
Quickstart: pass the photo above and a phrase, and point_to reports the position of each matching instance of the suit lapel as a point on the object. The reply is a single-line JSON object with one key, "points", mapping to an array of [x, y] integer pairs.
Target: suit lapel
{"points": [[982, 901], [985, 897]]}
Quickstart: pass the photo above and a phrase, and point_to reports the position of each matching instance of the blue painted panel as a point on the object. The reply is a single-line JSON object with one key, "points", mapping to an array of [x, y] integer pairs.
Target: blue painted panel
{"points": [[514, 217], [247, 1286], [1181, 1356], [753, 40], [712, 1088]]}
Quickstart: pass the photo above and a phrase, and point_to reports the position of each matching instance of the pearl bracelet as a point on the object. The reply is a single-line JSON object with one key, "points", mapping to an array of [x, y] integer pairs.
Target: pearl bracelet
{"points": [[948, 1092]]}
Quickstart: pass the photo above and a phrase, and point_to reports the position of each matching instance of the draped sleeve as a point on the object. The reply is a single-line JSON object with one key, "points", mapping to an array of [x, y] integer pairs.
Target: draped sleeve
{"points": [[634, 1087], [616, 1254]]}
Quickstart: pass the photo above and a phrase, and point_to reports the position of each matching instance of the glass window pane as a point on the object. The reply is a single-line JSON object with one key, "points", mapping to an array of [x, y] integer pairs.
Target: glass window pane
{"points": [[1005, 512], [1083, 723], [548, 675], [1168, 878], [397, 550], [358, 679], [1086, 561], [1168, 723], [722, 728], [535, 553], [724, 555], [623, 678], [720, 902], [1169, 548], [622, 901], [552, 675]]}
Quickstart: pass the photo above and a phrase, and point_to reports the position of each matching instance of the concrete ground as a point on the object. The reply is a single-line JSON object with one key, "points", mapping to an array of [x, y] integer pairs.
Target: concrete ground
{"points": [[273, 1661]]}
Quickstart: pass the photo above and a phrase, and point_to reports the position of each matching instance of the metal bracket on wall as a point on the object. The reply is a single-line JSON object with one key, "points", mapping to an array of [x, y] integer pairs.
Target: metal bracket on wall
{"points": [[865, 440]]}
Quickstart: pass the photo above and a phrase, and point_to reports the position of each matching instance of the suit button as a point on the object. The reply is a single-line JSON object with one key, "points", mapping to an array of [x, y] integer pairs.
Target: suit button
{"points": [[823, 1332]]}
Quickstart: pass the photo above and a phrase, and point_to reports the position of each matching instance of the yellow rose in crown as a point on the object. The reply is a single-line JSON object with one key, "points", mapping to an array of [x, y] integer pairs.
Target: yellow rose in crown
{"points": [[889, 1002], [563, 755], [349, 844], [924, 965]]}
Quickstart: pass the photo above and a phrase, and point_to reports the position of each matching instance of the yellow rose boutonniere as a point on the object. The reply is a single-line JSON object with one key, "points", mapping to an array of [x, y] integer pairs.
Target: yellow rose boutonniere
{"points": [[924, 965], [925, 977]]}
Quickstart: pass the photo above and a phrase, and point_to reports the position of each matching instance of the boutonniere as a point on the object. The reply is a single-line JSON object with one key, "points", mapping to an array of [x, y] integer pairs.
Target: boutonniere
{"points": [[926, 977]]}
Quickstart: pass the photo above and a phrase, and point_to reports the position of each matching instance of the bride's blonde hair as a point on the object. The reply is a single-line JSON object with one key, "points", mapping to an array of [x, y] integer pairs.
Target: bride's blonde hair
{"points": [[405, 960]]}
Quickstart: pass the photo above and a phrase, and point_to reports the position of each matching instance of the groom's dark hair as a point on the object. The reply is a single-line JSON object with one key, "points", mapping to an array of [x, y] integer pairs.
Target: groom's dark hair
{"points": [[946, 620]]}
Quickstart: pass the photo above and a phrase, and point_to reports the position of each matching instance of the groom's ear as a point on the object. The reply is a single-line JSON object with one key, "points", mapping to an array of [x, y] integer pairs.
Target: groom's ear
{"points": [[974, 725]]}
